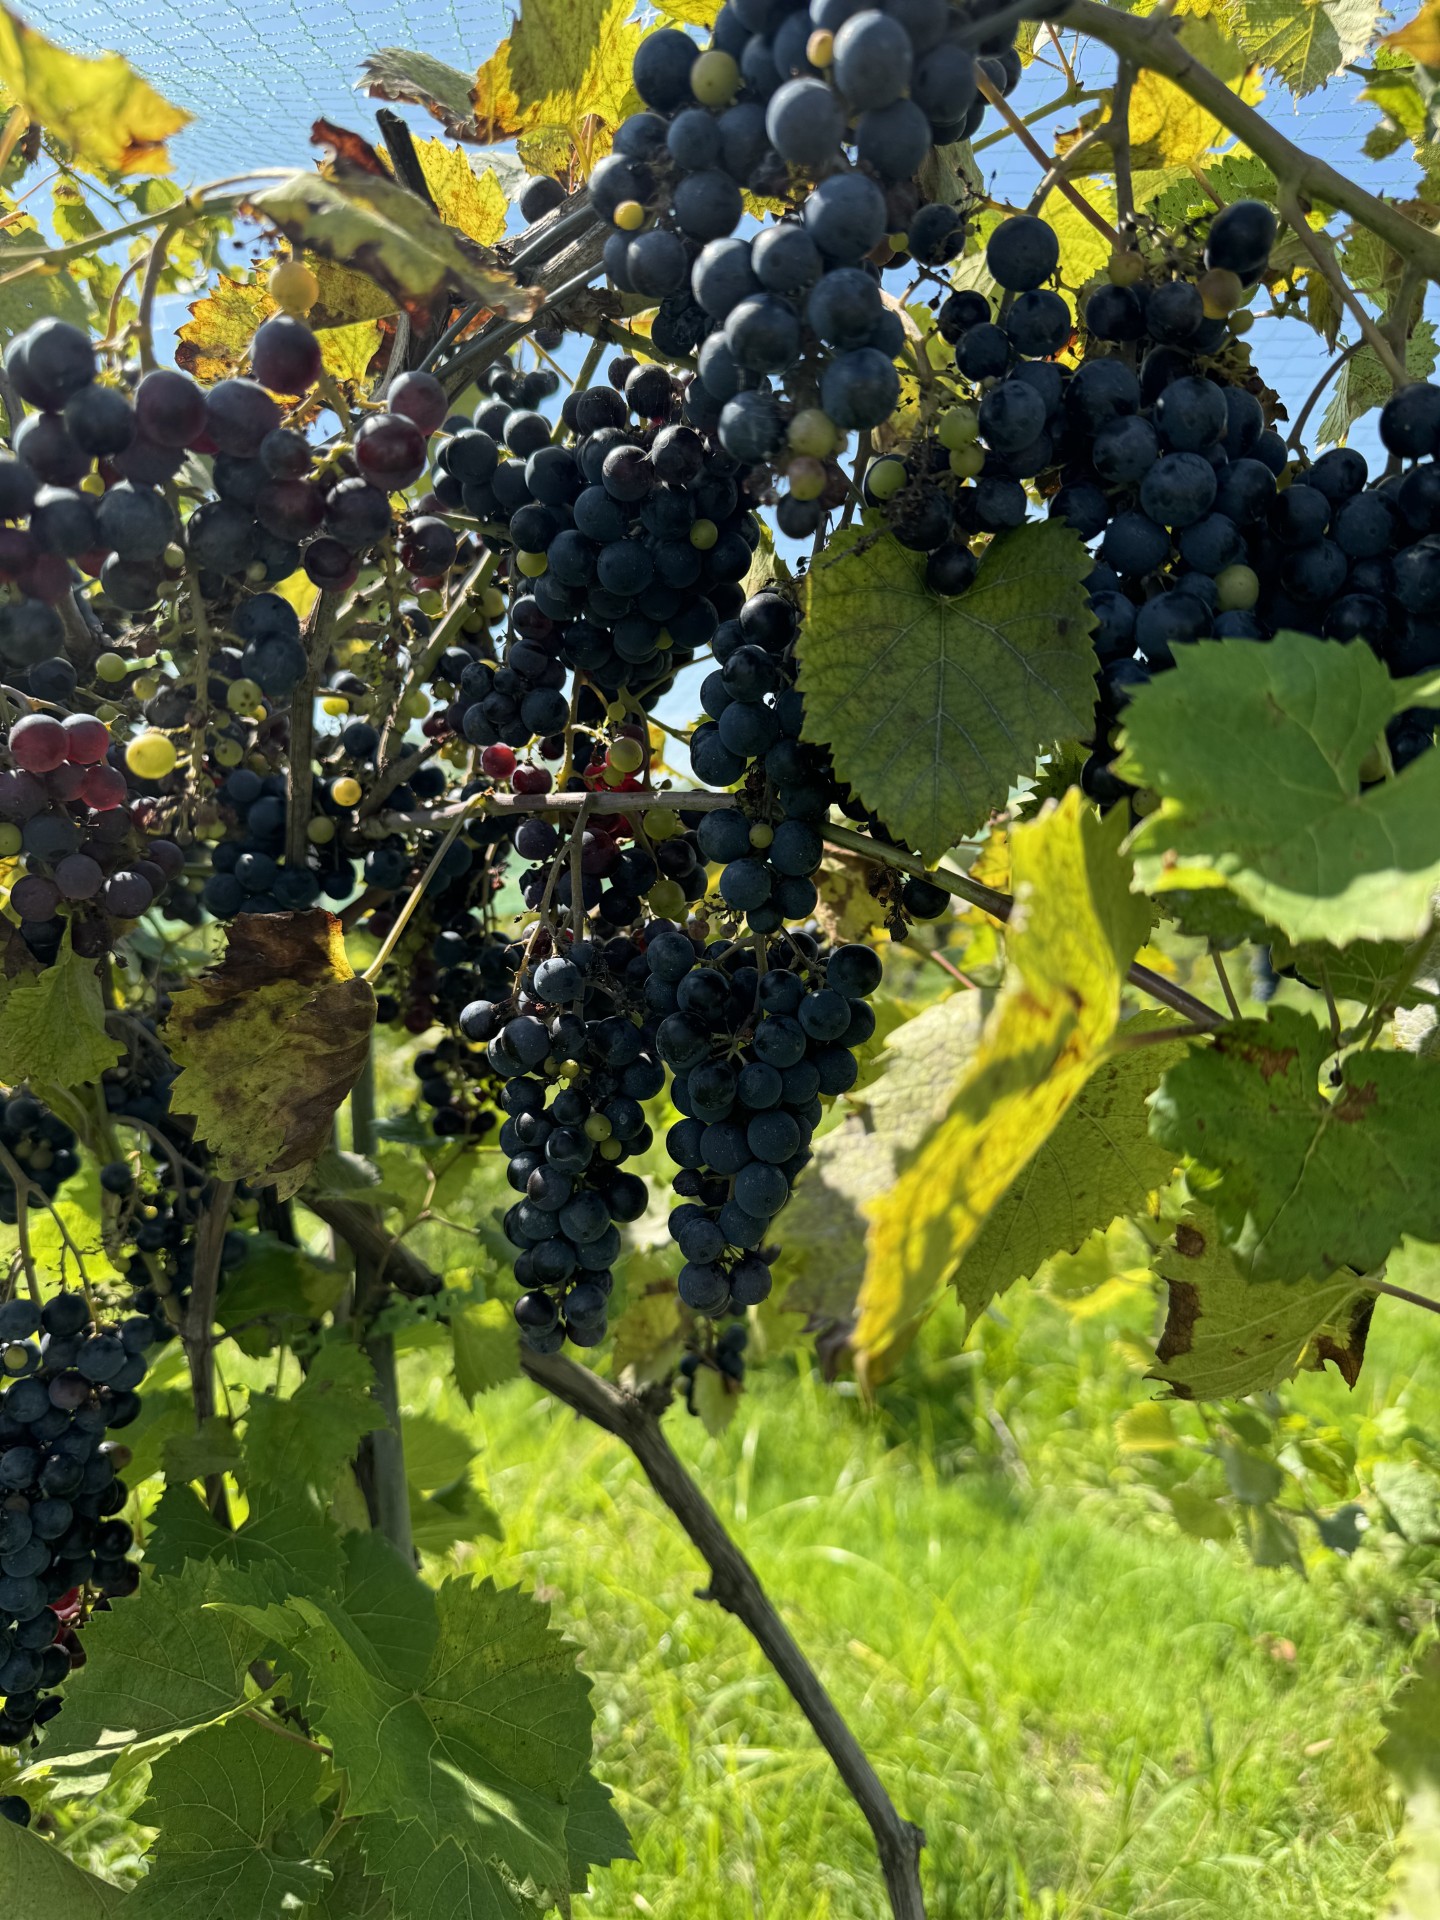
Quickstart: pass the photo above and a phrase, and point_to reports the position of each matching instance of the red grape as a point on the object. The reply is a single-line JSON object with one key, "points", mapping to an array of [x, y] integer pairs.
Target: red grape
{"points": [[532, 779], [103, 787], [17, 551], [328, 564], [285, 355], [421, 398], [37, 743], [169, 408], [87, 740], [498, 762], [390, 450]]}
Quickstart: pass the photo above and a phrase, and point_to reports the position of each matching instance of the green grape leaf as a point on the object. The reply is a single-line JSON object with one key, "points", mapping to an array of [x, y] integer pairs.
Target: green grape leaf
{"points": [[390, 1606], [227, 1805], [52, 1023], [353, 1893], [1098, 1163], [481, 1753], [1227, 1335], [111, 120], [1311, 1180], [78, 1209], [270, 1040], [1411, 1751], [1377, 973], [932, 707], [158, 1667], [1257, 754], [487, 1346], [594, 1833], [274, 1285], [432, 1880], [192, 1455], [55, 1888], [291, 1545], [1362, 384], [1075, 930], [306, 1439], [372, 223], [822, 1252], [1303, 42], [1410, 1495]]}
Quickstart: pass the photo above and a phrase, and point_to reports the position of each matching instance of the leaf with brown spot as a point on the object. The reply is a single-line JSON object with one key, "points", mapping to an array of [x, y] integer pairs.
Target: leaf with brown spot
{"points": [[1226, 1335], [270, 1041], [1315, 1177], [394, 238]]}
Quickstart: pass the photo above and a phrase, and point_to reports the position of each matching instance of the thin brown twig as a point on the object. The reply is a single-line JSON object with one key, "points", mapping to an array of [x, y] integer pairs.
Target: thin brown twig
{"points": [[1318, 246], [1225, 987], [1033, 147]]}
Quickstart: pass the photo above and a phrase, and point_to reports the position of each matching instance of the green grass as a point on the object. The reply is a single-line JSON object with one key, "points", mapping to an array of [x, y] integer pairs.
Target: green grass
{"points": [[1089, 1714]]}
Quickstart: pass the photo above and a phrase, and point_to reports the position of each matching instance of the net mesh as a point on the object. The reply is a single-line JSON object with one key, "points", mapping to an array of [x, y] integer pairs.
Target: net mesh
{"points": [[257, 75]]}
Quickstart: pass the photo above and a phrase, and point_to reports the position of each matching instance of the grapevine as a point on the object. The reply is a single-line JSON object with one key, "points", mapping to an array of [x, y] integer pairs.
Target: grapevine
{"points": [[343, 666]]}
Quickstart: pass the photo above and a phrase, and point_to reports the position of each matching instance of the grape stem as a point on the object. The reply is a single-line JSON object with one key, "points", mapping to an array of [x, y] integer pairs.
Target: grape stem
{"points": [[197, 1332], [1071, 97], [999, 906], [1341, 359], [1037, 153], [1152, 43], [25, 1191], [1318, 246], [150, 285], [1117, 134], [301, 767]]}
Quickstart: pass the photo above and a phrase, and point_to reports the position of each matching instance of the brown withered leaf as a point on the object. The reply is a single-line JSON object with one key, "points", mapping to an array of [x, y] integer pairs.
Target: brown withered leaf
{"points": [[270, 1041], [394, 73], [352, 154]]}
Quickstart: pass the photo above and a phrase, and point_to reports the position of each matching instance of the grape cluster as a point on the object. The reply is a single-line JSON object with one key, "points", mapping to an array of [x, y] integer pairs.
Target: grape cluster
{"points": [[727, 1357], [90, 861], [63, 1548], [834, 109], [575, 1070], [753, 1053], [41, 1144]]}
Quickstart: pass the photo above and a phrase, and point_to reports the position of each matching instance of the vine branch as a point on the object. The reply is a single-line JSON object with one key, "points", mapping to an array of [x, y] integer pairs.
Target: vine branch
{"points": [[1152, 42]]}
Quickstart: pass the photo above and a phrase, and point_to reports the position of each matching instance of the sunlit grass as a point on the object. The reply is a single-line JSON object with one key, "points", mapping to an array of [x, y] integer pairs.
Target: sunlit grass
{"points": [[1089, 1714]]}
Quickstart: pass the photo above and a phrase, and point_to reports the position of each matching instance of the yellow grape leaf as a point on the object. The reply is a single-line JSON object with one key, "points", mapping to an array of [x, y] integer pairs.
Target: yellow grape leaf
{"points": [[109, 118], [52, 1026], [1167, 127], [300, 590], [346, 296], [561, 82], [346, 352], [689, 13], [393, 238], [1074, 932], [270, 1041], [991, 865], [214, 341], [1420, 37], [474, 202], [1147, 1428]]}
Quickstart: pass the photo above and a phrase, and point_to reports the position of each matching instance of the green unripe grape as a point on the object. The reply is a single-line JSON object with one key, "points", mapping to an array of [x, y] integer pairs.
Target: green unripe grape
{"points": [[967, 461], [805, 478], [150, 756], [703, 535], [610, 1149], [243, 696], [663, 824], [597, 1127], [626, 755], [228, 752], [812, 432], [11, 840], [886, 478], [629, 216], [111, 667], [431, 602], [1238, 589], [532, 565], [960, 427], [667, 899], [321, 831], [715, 78], [761, 835]]}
